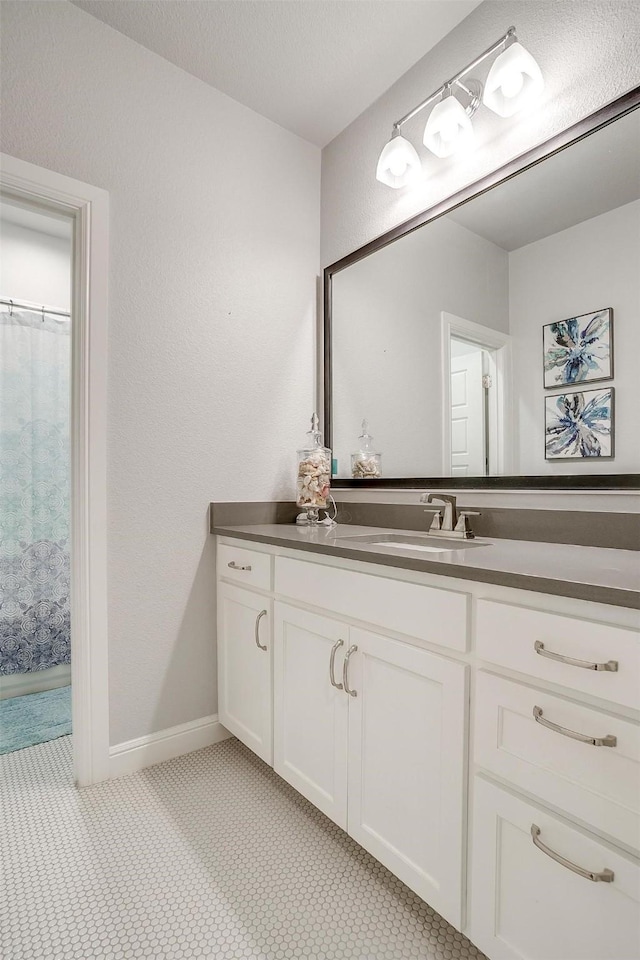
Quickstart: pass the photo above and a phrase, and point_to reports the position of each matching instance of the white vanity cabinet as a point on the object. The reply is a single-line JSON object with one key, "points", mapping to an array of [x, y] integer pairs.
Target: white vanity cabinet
{"points": [[555, 841], [310, 715], [245, 658], [406, 764], [372, 731], [482, 742], [527, 904]]}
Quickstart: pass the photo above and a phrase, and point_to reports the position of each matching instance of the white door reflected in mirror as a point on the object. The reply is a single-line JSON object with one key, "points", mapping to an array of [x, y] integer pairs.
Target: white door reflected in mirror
{"points": [[476, 377], [469, 427]]}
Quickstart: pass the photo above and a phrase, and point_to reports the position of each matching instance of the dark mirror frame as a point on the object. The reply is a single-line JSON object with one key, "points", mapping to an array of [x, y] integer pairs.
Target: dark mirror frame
{"points": [[616, 481]]}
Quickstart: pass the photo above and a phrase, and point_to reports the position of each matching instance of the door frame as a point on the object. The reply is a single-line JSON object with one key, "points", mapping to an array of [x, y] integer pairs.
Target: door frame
{"points": [[88, 208], [500, 422]]}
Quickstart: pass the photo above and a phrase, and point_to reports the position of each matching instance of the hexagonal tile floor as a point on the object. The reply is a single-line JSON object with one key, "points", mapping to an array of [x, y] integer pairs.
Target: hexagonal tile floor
{"points": [[210, 855]]}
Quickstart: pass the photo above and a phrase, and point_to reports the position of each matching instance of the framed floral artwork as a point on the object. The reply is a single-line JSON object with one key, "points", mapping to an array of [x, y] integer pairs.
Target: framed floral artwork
{"points": [[579, 426], [578, 350]]}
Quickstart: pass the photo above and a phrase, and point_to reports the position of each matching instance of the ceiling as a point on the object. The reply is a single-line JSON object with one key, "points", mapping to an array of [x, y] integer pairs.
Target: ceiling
{"points": [[311, 66], [591, 177], [23, 215]]}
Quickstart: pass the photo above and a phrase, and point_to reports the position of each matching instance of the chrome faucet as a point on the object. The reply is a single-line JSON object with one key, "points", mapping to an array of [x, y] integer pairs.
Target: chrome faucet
{"points": [[450, 518], [451, 524]]}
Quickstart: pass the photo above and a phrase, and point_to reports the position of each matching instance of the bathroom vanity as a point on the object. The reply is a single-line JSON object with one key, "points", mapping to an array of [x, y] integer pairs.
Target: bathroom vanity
{"points": [[470, 713], [478, 735]]}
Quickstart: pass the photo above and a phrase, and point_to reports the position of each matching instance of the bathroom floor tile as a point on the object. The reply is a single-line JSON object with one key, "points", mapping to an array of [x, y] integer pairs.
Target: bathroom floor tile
{"points": [[210, 855]]}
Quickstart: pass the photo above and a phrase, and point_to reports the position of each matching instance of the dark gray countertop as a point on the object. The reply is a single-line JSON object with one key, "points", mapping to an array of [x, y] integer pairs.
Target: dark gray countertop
{"points": [[600, 574]]}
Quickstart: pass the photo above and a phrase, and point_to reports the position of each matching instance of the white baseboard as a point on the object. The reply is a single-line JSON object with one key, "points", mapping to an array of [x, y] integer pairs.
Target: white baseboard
{"points": [[22, 684], [137, 754]]}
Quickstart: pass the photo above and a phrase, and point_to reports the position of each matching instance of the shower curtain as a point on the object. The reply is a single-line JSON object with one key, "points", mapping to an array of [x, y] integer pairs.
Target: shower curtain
{"points": [[35, 353]]}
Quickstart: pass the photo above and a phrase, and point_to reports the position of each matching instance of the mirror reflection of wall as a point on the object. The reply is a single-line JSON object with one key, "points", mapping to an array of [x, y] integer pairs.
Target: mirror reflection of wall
{"points": [[556, 241], [387, 348]]}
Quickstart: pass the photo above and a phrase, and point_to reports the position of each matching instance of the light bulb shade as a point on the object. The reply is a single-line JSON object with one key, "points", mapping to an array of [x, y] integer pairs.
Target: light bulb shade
{"points": [[399, 164], [448, 128], [515, 80]]}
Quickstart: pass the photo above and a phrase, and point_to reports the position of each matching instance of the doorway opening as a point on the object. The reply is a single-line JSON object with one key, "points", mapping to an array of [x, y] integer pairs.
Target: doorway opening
{"points": [[35, 475], [476, 364], [84, 209]]}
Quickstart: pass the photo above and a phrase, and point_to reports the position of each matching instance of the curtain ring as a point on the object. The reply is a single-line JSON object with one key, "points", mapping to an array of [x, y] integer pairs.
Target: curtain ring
{"points": [[10, 308], [42, 314]]}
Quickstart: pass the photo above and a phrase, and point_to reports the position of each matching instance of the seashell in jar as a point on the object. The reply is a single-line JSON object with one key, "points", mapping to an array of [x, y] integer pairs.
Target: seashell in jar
{"points": [[365, 468]]}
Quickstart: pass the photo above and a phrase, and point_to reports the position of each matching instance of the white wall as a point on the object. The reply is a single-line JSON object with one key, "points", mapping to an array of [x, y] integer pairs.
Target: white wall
{"points": [[34, 266], [387, 314], [214, 257], [591, 265]]}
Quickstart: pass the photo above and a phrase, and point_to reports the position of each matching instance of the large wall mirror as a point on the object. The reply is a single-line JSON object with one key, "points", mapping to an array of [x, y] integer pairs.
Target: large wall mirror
{"points": [[495, 340]]}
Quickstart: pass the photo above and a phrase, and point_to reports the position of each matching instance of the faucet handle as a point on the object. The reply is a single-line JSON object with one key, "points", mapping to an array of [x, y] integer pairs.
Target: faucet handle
{"points": [[463, 526], [437, 519]]}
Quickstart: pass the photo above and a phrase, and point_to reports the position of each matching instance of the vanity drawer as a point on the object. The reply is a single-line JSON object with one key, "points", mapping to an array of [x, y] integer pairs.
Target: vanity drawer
{"points": [[248, 567], [597, 783], [538, 644], [427, 613], [525, 905]]}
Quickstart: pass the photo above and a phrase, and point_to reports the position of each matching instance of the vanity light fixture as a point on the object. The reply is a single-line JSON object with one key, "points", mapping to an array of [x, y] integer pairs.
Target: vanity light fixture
{"points": [[514, 81], [399, 164], [449, 126]]}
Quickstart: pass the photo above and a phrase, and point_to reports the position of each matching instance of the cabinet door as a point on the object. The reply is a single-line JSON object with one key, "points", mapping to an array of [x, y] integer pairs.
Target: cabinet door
{"points": [[310, 714], [244, 667], [526, 905], [407, 723]]}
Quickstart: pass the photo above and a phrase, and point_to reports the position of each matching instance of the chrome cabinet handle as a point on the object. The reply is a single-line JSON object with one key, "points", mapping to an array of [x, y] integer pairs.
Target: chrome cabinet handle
{"points": [[237, 566], [611, 665], [262, 646], [604, 876], [345, 672], [332, 663], [608, 741]]}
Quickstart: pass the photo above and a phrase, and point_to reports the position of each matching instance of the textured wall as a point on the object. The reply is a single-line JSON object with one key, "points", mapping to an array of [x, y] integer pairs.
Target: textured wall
{"points": [[214, 256], [589, 52]]}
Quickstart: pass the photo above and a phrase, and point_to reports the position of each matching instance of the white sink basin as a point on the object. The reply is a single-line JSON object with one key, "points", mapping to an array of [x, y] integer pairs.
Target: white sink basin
{"points": [[424, 544]]}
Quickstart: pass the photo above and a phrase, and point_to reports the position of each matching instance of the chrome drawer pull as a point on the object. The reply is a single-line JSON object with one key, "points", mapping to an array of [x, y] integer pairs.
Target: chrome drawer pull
{"points": [[608, 741], [262, 614], [332, 663], [236, 566], [611, 665], [345, 672], [605, 876]]}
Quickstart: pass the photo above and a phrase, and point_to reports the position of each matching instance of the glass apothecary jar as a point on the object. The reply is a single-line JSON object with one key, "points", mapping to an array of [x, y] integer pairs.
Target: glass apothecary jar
{"points": [[366, 464], [314, 473]]}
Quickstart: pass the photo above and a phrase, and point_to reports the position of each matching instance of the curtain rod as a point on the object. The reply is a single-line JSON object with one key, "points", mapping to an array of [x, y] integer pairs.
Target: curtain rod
{"points": [[35, 307]]}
